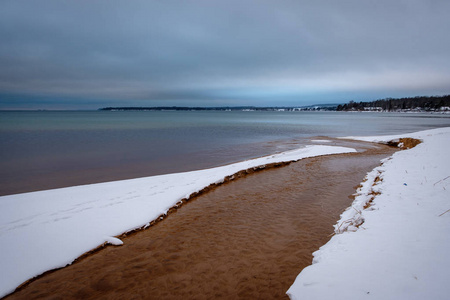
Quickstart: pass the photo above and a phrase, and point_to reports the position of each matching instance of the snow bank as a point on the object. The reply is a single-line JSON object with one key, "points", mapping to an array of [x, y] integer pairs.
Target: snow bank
{"points": [[394, 242], [44, 230]]}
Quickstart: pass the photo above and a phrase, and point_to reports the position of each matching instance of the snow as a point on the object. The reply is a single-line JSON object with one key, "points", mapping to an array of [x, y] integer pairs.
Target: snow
{"points": [[44, 230], [392, 243], [397, 246], [113, 241], [321, 141]]}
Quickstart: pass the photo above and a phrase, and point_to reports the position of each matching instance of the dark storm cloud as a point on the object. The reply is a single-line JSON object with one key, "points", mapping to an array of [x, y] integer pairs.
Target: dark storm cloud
{"points": [[223, 50]]}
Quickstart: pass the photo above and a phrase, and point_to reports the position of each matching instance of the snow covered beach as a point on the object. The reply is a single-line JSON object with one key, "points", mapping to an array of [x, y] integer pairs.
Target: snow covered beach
{"points": [[393, 242], [95, 211], [45, 230]]}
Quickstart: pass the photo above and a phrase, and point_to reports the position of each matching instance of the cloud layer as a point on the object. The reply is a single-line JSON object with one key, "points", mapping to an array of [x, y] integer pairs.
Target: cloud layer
{"points": [[222, 52]]}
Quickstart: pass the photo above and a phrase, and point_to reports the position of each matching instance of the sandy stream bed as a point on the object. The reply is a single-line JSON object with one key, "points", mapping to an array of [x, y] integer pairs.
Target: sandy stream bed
{"points": [[248, 238]]}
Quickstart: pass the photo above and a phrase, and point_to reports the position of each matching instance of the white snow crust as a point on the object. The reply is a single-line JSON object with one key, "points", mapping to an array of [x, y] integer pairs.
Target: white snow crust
{"points": [[44, 230], [396, 246], [321, 141]]}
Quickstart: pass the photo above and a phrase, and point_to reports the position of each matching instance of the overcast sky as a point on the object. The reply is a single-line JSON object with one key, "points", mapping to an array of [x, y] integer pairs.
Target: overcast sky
{"points": [[91, 53]]}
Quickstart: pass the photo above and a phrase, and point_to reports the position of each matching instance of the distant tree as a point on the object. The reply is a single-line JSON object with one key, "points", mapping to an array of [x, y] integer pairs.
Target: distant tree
{"points": [[425, 102]]}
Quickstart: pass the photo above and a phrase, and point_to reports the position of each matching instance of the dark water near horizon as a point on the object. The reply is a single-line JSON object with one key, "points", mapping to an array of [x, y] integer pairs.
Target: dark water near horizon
{"points": [[49, 149]]}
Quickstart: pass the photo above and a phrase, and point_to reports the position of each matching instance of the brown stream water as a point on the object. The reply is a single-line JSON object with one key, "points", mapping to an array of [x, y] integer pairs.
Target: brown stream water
{"points": [[246, 239]]}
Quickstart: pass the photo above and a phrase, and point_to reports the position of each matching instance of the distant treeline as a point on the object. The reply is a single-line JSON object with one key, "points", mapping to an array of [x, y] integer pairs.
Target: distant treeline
{"points": [[182, 108], [420, 103], [221, 108]]}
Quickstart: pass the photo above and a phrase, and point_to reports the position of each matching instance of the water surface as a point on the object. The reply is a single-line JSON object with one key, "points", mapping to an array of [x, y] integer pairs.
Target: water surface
{"points": [[49, 149]]}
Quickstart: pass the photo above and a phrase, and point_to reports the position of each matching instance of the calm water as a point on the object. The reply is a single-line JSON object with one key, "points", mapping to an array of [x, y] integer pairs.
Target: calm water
{"points": [[41, 150]]}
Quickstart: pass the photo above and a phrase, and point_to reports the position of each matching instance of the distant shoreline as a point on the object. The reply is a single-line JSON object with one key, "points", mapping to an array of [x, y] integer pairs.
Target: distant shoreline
{"points": [[322, 107], [407, 104]]}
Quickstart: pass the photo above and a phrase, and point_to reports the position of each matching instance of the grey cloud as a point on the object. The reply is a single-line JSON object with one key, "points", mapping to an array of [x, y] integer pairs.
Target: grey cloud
{"points": [[199, 49]]}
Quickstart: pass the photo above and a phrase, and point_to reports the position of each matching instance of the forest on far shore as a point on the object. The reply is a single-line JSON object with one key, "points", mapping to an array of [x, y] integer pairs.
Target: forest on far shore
{"points": [[419, 103]]}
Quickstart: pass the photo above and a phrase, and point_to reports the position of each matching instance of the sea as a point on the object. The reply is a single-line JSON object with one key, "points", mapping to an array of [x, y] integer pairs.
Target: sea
{"points": [[52, 149]]}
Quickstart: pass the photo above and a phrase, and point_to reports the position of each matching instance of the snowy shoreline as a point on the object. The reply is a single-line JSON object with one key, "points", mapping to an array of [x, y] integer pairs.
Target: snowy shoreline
{"points": [[393, 242], [46, 230]]}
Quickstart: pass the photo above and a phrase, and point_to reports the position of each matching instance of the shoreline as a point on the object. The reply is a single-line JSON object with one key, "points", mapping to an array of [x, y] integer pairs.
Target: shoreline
{"points": [[46, 154], [386, 138], [96, 213], [392, 242], [70, 178], [159, 219], [311, 162]]}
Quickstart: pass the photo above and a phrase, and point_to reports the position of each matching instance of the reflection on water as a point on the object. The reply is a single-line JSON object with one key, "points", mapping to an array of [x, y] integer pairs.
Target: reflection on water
{"points": [[41, 150]]}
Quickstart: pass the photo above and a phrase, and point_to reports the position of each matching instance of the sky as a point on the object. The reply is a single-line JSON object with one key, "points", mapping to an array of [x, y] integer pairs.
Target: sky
{"points": [[84, 54]]}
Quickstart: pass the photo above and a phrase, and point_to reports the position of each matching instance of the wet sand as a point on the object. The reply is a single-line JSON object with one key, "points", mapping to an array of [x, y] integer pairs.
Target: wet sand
{"points": [[246, 239]]}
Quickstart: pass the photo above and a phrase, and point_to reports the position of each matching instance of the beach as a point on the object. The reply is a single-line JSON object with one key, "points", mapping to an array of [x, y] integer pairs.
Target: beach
{"points": [[225, 150], [247, 236], [393, 242]]}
